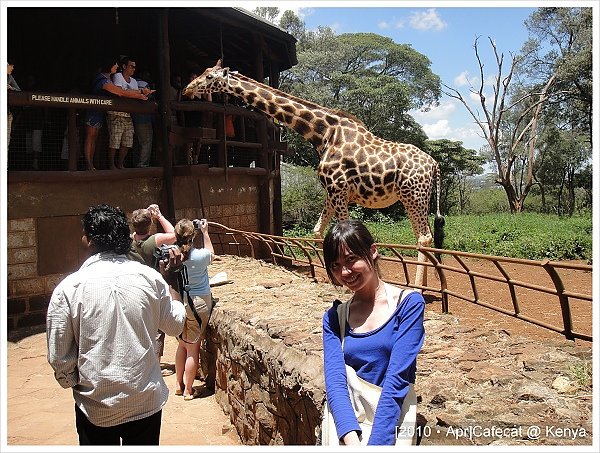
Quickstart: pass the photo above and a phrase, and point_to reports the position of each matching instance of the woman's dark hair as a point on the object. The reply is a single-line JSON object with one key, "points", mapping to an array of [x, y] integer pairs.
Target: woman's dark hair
{"points": [[185, 232], [106, 64], [107, 228], [353, 235]]}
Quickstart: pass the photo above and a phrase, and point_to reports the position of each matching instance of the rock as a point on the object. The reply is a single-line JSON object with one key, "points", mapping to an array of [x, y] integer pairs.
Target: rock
{"points": [[491, 373], [563, 384], [437, 401], [532, 391], [475, 356]]}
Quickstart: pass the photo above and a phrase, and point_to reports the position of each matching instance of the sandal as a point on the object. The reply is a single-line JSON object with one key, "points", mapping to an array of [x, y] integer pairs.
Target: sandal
{"points": [[195, 393]]}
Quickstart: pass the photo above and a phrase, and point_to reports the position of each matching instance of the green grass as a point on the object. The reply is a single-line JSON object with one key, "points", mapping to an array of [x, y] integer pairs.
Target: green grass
{"points": [[582, 375], [525, 235]]}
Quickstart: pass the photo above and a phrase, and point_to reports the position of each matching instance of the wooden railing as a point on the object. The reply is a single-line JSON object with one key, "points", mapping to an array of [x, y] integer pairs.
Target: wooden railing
{"points": [[507, 283]]}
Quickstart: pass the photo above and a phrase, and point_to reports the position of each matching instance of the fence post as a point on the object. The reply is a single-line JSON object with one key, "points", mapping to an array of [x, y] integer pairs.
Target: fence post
{"points": [[564, 300]]}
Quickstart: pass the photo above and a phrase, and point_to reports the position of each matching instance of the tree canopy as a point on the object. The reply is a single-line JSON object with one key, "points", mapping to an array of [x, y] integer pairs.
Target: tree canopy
{"points": [[368, 75]]}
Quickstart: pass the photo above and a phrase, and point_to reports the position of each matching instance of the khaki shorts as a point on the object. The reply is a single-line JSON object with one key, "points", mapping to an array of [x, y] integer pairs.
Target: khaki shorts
{"points": [[120, 131], [192, 331]]}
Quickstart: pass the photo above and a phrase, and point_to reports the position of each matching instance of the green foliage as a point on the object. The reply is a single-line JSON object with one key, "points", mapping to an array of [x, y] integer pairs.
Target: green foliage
{"points": [[492, 199], [455, 163], [368, 75], [524, 235], [302, 197], [581, 373]]}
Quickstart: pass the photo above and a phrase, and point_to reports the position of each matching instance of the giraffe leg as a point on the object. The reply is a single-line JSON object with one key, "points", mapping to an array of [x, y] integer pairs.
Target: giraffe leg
{"points": [[420, 224], [421, 276], [324, 218], [336, 204]]}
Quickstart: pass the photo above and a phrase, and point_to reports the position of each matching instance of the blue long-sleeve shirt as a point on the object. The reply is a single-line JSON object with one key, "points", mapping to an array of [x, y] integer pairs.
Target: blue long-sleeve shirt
{"points": [[386, 356]]}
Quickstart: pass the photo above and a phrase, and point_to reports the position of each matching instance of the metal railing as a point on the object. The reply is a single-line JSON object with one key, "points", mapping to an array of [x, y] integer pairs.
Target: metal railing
{"points": [[506, 286]]}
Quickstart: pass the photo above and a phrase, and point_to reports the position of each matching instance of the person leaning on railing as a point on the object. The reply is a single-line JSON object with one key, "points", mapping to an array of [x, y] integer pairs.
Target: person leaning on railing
{"points": [[102, 85], [11, 85]]}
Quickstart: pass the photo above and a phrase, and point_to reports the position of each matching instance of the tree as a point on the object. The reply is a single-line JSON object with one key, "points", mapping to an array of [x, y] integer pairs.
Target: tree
{"points": [[560, 44], [549, 84], [291, 23], [564, 155], [267, 13], [368, 75], [456, 164], [513, 141]]}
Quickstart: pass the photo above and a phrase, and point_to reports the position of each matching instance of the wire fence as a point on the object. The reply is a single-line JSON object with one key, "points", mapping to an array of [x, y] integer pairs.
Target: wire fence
{"points": [[505, 285]]}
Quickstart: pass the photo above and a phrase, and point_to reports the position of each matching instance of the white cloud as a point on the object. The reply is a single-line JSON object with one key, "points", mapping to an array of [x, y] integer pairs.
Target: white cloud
{"points": [[385, 24], [439, 129], [464, 79], [450, 121], [427, 20], [444, 110], [336, 27], [475, 96], [490, 80]]}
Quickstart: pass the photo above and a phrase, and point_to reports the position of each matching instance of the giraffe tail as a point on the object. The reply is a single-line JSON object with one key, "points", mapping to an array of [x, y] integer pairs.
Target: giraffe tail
{"points": [[438, 223]]}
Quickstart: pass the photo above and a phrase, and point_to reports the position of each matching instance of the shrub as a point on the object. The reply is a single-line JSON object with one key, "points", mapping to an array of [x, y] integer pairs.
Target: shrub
{"points": [[302, 197]]}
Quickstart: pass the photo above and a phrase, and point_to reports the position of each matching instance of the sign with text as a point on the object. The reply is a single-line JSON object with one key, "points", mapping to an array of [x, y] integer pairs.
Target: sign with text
{"points": [[80, 101]]}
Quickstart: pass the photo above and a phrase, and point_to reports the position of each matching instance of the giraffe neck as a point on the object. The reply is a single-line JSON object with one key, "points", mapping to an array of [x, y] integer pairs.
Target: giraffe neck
{"points": [[310, 120]]}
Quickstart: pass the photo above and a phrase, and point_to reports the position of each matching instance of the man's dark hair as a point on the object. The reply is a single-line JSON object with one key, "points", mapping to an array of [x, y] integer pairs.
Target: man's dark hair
{"points": [[124, 60], [107, 228]]}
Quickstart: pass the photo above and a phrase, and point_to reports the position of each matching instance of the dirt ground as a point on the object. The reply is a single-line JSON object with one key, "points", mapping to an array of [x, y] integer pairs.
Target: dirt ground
{"points": [[41, 413]]}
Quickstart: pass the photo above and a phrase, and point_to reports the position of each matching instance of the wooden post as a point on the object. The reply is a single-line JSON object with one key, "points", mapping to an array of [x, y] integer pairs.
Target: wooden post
{"points": [[276, 170], [72, 139], [164, 64]]}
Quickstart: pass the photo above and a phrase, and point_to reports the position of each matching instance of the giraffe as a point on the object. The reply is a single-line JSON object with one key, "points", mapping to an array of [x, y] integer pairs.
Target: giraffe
{"points": [[355, 165]]}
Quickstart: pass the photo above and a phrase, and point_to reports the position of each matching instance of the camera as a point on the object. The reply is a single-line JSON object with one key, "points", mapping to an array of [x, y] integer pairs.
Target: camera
{"points": [[162, 254], [198, 223]]}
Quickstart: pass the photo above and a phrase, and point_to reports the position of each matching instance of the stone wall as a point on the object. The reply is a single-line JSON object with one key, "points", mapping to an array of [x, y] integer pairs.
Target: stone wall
{"points": [[26, 290], [476, 385]]}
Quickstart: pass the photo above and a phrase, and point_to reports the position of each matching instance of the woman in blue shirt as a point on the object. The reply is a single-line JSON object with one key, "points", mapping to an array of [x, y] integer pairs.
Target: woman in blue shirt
{"points": [[383, 334], [196, 261]]}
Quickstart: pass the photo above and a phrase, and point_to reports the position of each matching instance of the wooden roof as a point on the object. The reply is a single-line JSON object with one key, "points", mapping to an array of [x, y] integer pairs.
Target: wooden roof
{"points": [[63, 46]]}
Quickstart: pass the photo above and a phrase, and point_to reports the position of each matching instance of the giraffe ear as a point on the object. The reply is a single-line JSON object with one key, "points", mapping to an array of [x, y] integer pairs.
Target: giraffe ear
{"points": [[225, 72], [218, 64]]}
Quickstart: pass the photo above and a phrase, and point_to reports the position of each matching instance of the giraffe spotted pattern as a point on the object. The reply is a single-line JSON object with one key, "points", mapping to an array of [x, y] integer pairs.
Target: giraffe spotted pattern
{"points": [[355, 165]]}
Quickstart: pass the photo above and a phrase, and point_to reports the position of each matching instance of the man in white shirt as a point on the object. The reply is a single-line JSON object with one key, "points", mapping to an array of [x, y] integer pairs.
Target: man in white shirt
{"points": [[120, 125], [101, 327]]}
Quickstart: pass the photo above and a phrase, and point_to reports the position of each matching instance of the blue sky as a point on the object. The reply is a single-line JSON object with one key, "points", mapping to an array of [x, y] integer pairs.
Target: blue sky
{"points": [[444, 34]]}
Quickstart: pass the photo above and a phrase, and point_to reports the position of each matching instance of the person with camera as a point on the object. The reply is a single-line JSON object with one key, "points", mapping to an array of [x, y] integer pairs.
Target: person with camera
{"points": [[144, 243], [198, 302], [101, 325], [143, 248]]}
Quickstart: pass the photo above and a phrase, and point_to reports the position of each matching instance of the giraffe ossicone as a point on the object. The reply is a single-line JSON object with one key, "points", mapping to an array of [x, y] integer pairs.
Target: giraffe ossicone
{"points": [[355, 165]]}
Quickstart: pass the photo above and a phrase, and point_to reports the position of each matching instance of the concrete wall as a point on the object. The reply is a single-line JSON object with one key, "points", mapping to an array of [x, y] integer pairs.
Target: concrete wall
{"points": [[43, 242]]}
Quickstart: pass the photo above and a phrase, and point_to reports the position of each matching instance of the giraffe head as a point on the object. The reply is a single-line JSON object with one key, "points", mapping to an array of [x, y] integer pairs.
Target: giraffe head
{"points": [[211, 80]]}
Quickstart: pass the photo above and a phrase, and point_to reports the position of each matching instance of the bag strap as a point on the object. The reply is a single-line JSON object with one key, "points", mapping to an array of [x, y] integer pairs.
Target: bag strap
{"points": [[185, 287], [342, 312]]}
